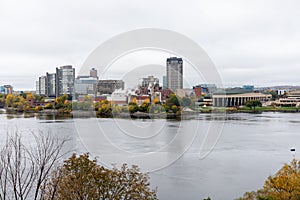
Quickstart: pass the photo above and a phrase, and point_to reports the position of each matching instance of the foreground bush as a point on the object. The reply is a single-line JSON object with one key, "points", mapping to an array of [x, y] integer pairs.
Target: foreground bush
{"points": [[82, 178]]}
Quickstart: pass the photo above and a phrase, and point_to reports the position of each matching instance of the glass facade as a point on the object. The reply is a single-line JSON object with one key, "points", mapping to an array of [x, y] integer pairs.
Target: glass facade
{"points": [[51, 84], [65, 80]]}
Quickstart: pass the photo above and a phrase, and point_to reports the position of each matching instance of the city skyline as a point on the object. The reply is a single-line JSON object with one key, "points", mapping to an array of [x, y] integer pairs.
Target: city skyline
{"points": [[250, 42], [135, 81]]}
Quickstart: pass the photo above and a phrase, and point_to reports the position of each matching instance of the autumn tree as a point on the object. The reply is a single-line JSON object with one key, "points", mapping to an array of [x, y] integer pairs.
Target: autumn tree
{"points": [[39, 98], [62, 104], [82, 178], [172, 100], [133, 107], [2, 100], [285, 184], [156, 101], [49, 106], [9, 100], [103, 108], [29, 96], [144, 107], [174, 108]]}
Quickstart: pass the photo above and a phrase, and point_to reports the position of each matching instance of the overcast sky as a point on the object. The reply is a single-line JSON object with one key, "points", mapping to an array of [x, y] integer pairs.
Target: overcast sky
{"points": [[251, 42]]}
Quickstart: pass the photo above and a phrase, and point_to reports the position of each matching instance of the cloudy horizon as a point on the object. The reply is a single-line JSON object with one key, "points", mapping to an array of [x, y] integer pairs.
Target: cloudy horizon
{"points": [[250, 41]]}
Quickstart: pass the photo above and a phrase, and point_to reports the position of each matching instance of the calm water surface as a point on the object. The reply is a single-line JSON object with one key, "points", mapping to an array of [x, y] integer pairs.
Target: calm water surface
{"points": [[250, 148]]}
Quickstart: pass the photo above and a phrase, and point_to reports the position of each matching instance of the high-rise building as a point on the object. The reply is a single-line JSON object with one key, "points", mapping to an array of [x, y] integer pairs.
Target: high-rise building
{"points": [[165, 82], [65, 78], [109, 86], [2, 89], [174, 73], [42, 88], [50, 84], [37, 87], [94, 73]]}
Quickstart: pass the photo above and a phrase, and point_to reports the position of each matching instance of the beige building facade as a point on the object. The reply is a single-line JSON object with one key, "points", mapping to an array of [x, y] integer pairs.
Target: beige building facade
{"points": [[229, 100]]}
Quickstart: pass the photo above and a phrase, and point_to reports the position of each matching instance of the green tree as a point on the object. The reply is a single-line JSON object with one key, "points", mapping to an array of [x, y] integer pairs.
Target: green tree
{"points": [[186, 101], [133, 107], [274, 95], [82, 178], [166, 107], [39, 98], [253, 104], [144, 107], [172, 100], [174, 109]]}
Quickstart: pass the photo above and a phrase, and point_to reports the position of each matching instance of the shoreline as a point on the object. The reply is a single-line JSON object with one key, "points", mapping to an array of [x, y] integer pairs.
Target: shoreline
{"points": [[140, 115]]}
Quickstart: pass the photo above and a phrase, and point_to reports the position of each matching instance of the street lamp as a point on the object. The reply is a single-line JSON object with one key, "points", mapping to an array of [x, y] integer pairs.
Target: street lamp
{"points": [[293, 151]]}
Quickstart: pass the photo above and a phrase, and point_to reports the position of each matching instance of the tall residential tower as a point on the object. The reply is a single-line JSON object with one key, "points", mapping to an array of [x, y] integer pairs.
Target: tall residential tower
{"points": [[65, 79], [174, 73]]}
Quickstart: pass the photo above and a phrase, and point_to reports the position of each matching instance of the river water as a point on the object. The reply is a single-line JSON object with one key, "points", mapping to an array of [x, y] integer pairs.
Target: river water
{"points": [[249, 148]]}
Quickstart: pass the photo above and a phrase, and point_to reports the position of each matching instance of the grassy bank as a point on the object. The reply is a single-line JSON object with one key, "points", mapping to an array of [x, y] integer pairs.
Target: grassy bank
{"points": [[246, 109]]}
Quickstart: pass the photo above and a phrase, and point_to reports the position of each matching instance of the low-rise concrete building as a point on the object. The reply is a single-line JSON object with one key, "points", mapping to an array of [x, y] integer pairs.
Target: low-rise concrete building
{"points": [[85, 85], [229, 100], [292, 99], [6, 89], [109, 86], [118, 97]]}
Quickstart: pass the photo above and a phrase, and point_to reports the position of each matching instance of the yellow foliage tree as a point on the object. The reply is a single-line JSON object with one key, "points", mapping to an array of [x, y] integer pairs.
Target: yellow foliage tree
{"points": [[82, 178], [134, 100], [29, 96], [9, 100], [285, 184], [156, 101]]}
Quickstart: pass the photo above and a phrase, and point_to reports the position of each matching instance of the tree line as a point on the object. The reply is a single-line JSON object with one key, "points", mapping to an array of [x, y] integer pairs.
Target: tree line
{"points": [[24, 103]]}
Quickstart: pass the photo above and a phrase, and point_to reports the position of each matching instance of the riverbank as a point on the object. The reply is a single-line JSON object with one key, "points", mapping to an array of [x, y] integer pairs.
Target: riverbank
{"points": [[184, 114], [249, 110]]}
